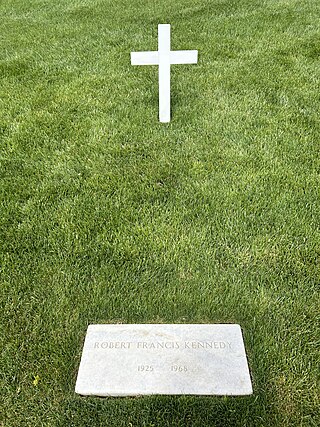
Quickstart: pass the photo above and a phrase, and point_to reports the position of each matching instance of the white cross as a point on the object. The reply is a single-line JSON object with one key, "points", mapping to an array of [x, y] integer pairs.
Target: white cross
{"points": [[164, 57]]}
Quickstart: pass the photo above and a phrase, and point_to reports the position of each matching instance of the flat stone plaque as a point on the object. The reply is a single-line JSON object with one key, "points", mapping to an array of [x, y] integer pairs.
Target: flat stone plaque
{"points": [[131, 360]]}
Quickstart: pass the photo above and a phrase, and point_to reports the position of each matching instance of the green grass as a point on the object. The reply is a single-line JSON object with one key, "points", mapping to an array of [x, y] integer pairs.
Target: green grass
{"points": [[109, 216]]}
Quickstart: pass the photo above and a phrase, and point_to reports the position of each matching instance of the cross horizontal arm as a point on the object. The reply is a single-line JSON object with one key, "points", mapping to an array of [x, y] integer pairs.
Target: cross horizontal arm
{"points": [[183, 57], [145, 58]]}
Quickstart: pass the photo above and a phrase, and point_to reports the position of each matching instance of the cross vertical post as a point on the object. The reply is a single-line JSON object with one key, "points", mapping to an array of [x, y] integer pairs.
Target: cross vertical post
{"points": [[164, 72]]}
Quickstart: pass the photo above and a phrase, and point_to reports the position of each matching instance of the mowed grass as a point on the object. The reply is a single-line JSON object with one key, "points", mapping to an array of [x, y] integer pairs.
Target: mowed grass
{"points": [[109, 216]]}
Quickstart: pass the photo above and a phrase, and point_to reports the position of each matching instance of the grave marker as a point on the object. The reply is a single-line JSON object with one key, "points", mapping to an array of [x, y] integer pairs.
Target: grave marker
{"points": [[164, 57], [131, 360]]}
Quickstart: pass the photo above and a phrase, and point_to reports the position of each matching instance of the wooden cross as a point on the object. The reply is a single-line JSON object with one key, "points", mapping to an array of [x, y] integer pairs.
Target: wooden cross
{"points": [[164, 57]]}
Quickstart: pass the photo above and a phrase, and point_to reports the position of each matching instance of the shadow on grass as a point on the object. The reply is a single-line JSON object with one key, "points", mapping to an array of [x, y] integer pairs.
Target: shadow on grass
{"points": [[153, 411]]}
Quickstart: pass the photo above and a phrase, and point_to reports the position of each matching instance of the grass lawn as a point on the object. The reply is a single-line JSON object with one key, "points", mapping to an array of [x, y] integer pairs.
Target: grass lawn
{"points": [[109, 216]]}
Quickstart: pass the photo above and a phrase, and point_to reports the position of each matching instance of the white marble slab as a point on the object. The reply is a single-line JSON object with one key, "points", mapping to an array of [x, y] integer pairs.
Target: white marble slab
{"points": [[130, 360]]}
